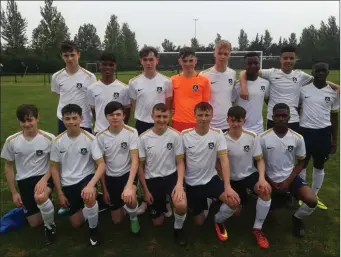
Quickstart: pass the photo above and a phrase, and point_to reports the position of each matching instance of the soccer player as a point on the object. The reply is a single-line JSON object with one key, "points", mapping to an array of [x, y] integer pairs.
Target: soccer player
{"points": [[29, 151], [106, 90], [71, 85], [285, 86], [243, 146], [319, 124], [258, 89], [119, 146], [284, 153], [162, 169], [189, 89], [222, 79], [73, 156], [203, 145]]}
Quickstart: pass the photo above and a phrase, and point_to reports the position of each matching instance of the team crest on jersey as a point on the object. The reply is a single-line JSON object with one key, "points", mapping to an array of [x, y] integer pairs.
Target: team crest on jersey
{"points": [[116, 95], [210, 145], [262, 88], [290, 148], [124, 145], [159, 89], [294, 79], [195, 88], [327, 99], [230, 81], [246, 148], [79, 85], [39, 152], [169, 146], [84, 151]]}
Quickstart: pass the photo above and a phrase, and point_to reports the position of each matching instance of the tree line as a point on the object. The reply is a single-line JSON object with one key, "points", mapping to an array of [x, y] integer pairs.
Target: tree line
{"points": [[41, 53]]}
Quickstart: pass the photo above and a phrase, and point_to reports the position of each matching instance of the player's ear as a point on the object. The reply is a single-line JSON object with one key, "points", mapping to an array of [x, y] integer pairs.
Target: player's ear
{"points": [[38, 118]]}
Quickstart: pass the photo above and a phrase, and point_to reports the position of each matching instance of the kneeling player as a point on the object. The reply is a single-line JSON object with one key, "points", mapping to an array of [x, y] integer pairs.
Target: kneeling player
{"points": [[73, 157], [281, 148], [242, 147], [119, 146], [162, 169], [203, 145], [30, 151]]}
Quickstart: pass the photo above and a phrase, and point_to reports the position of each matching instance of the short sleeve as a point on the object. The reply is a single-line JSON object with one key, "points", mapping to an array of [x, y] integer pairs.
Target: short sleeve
{"points": [[207, 91], [235, 92], [267, 90], [96, 152], [336, 104], [305, 78], [134, 142], [301, 96], [54, 84], [100, 145], [55, 154], [142, 150], [265, 73], [221, 144], [126, 98], [178, 147], [132, 91], [91, 99], [300, 149], [169, 89], [7, 152], [257, 149]]}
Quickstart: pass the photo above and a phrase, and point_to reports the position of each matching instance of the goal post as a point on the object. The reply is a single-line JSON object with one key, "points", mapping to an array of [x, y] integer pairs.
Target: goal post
{"points": [[92, 67]]}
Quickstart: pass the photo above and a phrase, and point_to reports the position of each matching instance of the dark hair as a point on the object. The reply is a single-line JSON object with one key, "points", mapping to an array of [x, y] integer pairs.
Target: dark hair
{"points": [[160, 107], [68, 46], [186, 51], [146, 50], [108, 56], [251, 54], [288, 48], [113, 107], [236, 112], [72, 108], [26, 111], [203, 106], [320, 61], [281, 106]]}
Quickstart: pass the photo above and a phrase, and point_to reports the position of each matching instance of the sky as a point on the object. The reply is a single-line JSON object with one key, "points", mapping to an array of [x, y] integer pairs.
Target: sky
{"points": [[152, 22]]}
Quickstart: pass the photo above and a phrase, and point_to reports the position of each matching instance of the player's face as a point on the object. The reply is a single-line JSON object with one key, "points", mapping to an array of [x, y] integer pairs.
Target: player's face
{"points": [[222, 55], [320, 71], [107, 68], [281, 118], [235, 123], [149, 62], [115, 118], [252, 65], [72, 120], [160, 119], [29, 124], [71, 58], [203, 117], [188, 63], [288, 60]]}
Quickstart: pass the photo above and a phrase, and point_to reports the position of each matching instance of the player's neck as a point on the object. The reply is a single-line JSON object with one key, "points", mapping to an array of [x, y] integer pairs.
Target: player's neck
{"points": [[188, 74], [251, 77], [220, 68], [320, 84], [107, 81], [150, 74], [159, 131], [235, 134], [286, 71], [116, 129], [72, 69], [280, 131], [202, 129], [75, 132], [29, 135]]}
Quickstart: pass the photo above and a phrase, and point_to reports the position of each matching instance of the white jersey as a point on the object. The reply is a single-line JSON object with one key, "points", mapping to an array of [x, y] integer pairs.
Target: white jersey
{"points": [[285, 88], [72, 89], [148, 92], [31, 157], [280, 154], [222, 84], [76, 156], [241, 153], [317, 105], [160, 152], [201, 153], [116, 149], [258, 90], [99, 95]]}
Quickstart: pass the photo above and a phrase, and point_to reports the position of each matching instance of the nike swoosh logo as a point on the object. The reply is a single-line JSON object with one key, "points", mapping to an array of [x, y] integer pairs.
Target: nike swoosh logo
{"points": [[97, 95], [93, 242], [62, 151], [213, 82], [106, 148], [306, 96], [139, 90], [269, 147], [277, 78], [16, 152], [61, 85], [150, 147], [191, 146]]}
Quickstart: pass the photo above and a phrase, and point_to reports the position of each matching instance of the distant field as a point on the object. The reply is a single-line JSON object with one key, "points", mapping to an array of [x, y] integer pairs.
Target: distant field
{"points": [[322, 228]]}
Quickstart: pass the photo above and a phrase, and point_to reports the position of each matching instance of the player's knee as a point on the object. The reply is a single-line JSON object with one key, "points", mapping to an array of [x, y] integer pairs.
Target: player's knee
{"points": [[180, 206], [311, 201], [158, 221], [199, 219], [319, 163], [264, 196], [90, 202], [40, 198], [232, 204]]}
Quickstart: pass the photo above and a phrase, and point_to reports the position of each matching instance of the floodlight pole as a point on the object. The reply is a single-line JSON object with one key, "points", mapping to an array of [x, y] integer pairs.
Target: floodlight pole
{"points": [[195, 27]]}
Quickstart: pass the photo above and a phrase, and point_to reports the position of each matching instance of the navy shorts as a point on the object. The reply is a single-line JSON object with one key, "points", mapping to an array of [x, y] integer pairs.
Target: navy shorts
{"points": [[115, 186], [142, 126], [295, 126], [160, 187], [73, 194], [317, 144], [197, 195], [62, 128], [26, 189], [240, 186]]}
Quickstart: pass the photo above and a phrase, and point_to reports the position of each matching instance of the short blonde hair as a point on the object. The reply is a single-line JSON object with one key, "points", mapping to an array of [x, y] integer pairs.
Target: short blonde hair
{"points": [[225, 44]]}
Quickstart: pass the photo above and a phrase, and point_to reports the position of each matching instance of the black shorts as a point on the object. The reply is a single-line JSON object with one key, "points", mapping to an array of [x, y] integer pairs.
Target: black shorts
{"points": [[115, 186], [62, 128], [295, 126], [73, 194], [160, 187], [142, 126], [197, 195], [317, 144], [240, 186], [26, 188]]}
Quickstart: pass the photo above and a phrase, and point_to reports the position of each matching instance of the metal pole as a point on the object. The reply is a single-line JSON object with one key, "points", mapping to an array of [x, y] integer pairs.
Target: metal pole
{"points": [[195, 27]]}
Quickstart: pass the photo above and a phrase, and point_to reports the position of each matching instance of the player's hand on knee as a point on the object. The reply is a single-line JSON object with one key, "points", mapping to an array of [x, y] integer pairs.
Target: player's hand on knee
{"points": [[147, 197], [263, 187], [178, 193], [63, 201], [231, 197], [40, 186], [128, 194], [17, 200], [88, 193]]}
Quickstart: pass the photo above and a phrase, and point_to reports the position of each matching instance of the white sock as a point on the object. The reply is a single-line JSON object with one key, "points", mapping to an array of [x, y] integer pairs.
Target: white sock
{"points": [[318, 176], [262, 209], [303, 174], [224, 213], [132, 212], [179, 220], [91, 214], [303, 211], [209, 202], [47, 212]]}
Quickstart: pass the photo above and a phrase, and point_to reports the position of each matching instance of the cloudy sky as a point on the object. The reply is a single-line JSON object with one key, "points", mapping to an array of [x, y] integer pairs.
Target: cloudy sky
{"points": [[154, 21]]}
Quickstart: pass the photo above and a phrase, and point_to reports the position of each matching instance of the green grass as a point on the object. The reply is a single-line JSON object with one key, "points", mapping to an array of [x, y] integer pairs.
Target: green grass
{"points": [[322, 227]]}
